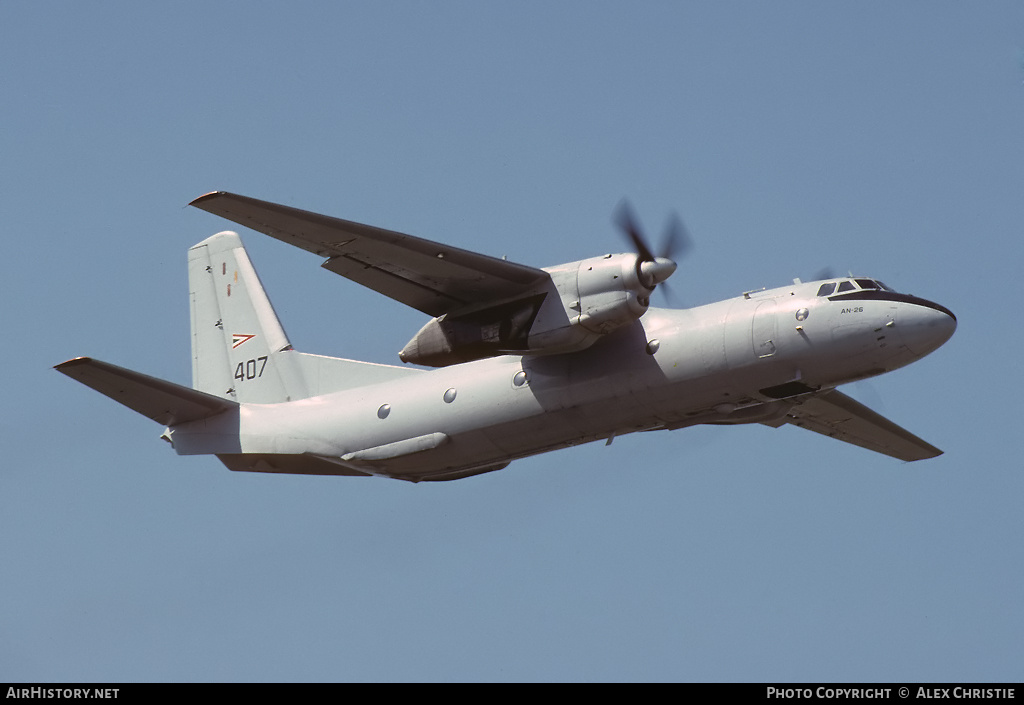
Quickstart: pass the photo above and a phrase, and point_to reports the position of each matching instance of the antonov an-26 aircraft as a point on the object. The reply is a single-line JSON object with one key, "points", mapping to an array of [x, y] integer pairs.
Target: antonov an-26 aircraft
{"points": [[526, 360]]}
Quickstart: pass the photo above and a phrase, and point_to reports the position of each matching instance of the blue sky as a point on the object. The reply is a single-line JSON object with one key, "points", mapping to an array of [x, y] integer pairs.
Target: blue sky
{"points": [[882, 138]]}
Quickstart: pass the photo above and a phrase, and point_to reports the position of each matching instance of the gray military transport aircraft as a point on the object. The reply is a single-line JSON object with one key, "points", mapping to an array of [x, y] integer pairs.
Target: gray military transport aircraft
{"points": [[526, 360]]}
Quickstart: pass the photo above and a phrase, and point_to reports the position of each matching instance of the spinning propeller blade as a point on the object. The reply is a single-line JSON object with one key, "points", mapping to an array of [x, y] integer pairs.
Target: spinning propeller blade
{"points": [[652, 270]]}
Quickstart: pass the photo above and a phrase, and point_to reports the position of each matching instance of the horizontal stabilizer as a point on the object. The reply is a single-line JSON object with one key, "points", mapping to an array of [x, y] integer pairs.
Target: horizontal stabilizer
{"points": [[164, 402], [838, 416]]}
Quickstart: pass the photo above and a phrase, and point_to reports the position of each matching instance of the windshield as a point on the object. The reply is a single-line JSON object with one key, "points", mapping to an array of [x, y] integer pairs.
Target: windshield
{"points": [[851, 285]]}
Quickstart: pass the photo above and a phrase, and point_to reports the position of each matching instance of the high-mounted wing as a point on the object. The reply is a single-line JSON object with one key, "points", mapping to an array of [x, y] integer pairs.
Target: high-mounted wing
{"points": [[431, 277], [836, 415]]}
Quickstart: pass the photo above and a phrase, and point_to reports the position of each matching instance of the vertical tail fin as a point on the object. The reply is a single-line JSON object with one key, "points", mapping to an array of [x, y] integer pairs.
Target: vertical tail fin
{"points": [[238, 344]]}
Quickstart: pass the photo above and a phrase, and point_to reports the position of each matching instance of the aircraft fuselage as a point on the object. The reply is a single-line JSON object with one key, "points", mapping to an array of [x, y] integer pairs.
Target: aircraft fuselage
{"points": [[743, 360]]}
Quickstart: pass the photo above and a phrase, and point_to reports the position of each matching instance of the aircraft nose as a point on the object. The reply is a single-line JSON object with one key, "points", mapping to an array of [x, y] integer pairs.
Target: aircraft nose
{"points": [[924, 325]]}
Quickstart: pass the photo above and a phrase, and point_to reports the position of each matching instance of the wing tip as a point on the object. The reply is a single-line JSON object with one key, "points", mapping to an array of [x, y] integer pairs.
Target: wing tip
{"points": [[73, 362], [207, 197]]}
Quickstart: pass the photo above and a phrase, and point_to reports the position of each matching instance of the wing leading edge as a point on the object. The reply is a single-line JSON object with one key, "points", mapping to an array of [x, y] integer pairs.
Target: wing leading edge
{"points": [[838, 416], [165, 402], [428, 276]]}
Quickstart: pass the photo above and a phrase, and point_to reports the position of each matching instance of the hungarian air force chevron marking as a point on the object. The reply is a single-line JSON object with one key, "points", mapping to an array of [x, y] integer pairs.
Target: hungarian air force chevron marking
{"points": [[239, 338]]}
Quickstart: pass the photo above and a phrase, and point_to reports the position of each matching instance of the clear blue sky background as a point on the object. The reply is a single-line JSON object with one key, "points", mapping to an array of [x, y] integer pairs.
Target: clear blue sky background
{"points": [[883, 138]]}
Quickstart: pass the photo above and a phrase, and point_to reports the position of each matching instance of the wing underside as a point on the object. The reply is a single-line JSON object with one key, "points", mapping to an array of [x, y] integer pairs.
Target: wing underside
{"points": [[838, 416], [428, 276]]}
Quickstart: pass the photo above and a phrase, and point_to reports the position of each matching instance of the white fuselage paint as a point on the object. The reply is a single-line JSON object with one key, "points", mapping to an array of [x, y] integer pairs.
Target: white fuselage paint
{"points": [[670, 369]]}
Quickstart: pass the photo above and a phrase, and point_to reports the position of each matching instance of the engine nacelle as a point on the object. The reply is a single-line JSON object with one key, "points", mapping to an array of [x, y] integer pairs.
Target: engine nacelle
{"points": [[581, 302], [610, 293]]}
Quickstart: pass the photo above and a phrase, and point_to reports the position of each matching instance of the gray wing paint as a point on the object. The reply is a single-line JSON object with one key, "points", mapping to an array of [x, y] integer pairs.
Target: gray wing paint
{"points": [[164, 402], [838, 416], [428, 276]]}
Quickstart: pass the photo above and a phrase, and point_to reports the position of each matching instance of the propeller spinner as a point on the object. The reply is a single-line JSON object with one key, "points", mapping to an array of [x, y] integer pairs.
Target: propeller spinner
{"points": [[654, 269]]}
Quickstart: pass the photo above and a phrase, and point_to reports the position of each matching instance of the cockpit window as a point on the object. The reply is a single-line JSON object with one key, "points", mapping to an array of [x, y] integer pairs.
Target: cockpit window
{"points": [[849, 285]]}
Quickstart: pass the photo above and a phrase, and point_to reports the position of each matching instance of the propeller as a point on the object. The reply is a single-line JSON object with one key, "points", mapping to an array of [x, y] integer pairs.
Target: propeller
{"points": [[824, 273], [653, 269]]}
